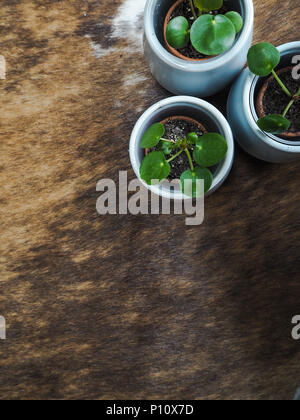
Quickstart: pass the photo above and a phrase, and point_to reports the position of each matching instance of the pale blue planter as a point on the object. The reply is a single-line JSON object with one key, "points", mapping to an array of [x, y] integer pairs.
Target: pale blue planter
{"points": [[242, 116], [188, 106], [192, 78]]}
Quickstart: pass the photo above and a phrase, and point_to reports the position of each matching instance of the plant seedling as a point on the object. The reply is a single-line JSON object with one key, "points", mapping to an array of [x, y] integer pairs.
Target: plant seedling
{"points": [[207, 151], [263, 58], [209, 35]]}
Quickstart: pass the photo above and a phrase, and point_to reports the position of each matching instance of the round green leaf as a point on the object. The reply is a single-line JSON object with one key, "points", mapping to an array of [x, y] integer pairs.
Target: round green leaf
{"points": [[236, 19], [210, 149], [212, 35], [152, 136], [190, 188], [166, 147], [208, 5], [263, 58], [178, 32], [274, 124], [154, 167], [192, 138]]}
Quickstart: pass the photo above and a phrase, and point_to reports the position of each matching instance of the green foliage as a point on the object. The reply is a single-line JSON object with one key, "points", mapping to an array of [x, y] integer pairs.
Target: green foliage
{"points": [[152, 136], [212, 35], [178, 32], [263, 58], [189, 179], [154, 167], [208, 5], [166, 147], [236, 19], [208, 150], [192, 138], [274, 124]]}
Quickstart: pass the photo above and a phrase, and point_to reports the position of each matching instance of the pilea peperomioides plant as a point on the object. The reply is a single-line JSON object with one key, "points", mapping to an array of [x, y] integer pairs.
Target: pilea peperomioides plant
{"points": [[210, 34], [207, 150], [263, 58]]}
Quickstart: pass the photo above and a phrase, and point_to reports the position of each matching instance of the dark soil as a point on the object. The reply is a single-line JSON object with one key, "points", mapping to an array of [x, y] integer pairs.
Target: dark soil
{"points": [[275, 100], [178, 129], [184, 9]]}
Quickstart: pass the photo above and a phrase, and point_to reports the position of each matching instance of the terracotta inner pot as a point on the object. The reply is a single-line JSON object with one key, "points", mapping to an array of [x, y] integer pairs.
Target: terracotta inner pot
{"points": [[188, 119], [171, 49], [260, 97]]}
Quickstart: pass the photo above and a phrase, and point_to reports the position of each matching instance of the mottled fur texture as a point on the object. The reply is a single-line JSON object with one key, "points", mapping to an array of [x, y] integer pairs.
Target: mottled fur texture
{"points": [[135, 307]]}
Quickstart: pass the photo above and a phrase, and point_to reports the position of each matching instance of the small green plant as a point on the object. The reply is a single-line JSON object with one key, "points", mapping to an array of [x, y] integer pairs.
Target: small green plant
{"points": [[263, 58], [209, 35], [207, 150]]}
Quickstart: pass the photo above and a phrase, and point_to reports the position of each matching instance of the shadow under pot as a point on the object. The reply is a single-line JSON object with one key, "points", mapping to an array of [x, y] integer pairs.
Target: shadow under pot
{"points": [[253, 97], [185, 71], [186, 123]]}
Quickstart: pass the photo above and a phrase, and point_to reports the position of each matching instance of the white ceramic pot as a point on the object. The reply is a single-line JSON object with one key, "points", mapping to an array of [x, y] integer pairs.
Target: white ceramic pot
{"points": [[197, 109], [202, 78], [242, 116]]}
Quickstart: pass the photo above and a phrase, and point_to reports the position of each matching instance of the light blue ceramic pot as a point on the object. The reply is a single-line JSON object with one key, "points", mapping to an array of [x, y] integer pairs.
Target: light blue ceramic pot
{"points": [[242, 116], [188, 106], [202, 78]]}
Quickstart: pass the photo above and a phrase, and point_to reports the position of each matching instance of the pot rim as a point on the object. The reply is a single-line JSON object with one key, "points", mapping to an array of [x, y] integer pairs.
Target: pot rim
{"points": [[197, 66], [274, 141], [224, 167]]}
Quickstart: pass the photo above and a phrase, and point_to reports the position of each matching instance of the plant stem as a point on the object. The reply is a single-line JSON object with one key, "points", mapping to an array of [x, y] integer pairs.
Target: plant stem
{"points": [[281, 84], [193, 9], [291, 103], [175, 156], [288, 107], [169, 141], [190, 159]]}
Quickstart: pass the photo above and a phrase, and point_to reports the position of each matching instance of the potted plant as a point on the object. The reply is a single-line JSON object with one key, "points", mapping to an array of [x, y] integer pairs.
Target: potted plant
{"points": [[182, 138], [196, 30], [188, 153], [264, 105], [197, 47], [279, 96]]}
